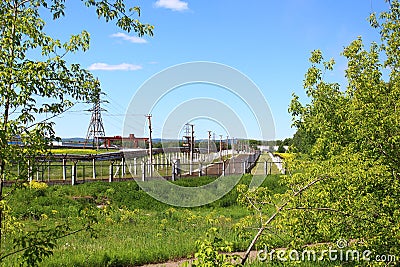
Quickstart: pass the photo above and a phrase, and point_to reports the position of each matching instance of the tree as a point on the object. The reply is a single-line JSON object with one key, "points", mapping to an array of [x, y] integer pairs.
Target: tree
{"points": [[30, 87], [302, 141], [345, 184]]}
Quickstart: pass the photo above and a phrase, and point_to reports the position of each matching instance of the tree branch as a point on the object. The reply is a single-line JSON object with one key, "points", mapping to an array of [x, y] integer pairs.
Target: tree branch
{"points": [[62, 236], [279, 209]]}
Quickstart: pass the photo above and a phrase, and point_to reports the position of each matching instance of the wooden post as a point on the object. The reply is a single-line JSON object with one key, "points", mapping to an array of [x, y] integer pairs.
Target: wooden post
{"points": [[200, 169], [143, 171], [123, 171], [134, 167], [30, 178], [176, 166], [48, 172], [173, 174], [190, 166], [73, 171], [111, 172], [223, 168], [64, 169], [94, 167]]}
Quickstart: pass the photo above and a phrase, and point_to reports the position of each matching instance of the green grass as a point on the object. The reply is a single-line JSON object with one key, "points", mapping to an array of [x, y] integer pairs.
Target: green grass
{"points": [[133, 227]]}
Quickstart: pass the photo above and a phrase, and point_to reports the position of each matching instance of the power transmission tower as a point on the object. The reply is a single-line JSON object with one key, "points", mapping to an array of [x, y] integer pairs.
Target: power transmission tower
{"points": [[96, 127]]}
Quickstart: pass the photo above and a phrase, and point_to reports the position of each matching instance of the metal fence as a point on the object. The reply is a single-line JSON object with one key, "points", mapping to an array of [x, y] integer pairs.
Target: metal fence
{"points": [[79, 169]]}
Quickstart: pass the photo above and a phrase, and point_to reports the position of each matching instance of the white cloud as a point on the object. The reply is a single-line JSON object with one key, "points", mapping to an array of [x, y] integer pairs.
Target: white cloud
{"points": [[105, 66], [176, 5], [132, 39]]}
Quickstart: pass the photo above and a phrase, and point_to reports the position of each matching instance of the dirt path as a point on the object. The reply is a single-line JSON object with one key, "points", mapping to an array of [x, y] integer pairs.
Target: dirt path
{"points": [[252, 257]]}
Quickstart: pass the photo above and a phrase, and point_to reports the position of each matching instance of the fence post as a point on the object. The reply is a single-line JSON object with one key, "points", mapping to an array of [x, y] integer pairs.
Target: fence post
{"points": [[111, 172], [123, 171], [265, 168], [173, 174], [223, 168], [73, 171], [94, 167], [30, 178], [48, 172], [176, 166], [200, 169], [143, 171], [157, 158], [270, 168], [134, 166], [150, 167], [64, 169], [244, 167]]}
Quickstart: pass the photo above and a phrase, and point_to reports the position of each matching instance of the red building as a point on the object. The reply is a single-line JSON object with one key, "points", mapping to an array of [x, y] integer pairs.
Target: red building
{"points": [[126, 142]]}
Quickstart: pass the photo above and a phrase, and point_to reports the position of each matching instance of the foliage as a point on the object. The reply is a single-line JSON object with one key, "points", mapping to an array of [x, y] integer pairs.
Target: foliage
{"points": [[210, 251], [129, 223], [31, 86], [37, 185], [254, 143], [345, 183], [303, 141], [285, 156], [281, 149]]}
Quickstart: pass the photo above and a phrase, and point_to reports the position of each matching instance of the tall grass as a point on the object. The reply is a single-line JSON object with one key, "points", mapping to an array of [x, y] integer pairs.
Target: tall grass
{"points": [[133, 227]]}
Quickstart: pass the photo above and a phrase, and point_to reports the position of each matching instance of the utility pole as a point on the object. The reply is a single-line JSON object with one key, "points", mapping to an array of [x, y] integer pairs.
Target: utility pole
{"points": [[209, 139], [150, 144], [233, 146], [192, 143], [227, 145], [220, 146]]}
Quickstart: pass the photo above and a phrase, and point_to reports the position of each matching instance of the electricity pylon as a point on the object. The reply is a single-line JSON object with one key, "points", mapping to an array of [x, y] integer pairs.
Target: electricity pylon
{"points": [[96, 127]]}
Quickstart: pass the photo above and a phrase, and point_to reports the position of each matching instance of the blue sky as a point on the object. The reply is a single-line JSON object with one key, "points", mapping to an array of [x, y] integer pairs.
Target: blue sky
{"points": [[268, 41]]}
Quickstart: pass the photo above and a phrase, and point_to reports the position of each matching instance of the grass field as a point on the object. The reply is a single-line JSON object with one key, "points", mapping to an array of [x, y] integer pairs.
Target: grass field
{"points": [[133, 228]]}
